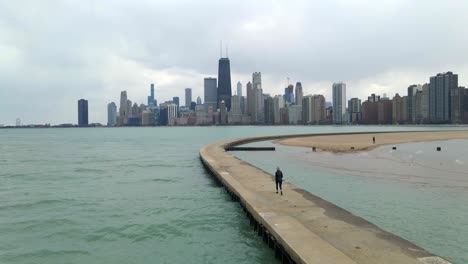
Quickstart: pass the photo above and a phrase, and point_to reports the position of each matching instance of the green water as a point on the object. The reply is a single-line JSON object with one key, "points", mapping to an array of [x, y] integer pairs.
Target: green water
{"points": [[124, 195]]}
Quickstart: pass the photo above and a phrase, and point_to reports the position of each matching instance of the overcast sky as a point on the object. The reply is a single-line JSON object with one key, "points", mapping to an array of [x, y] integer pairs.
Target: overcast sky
{"points": [[53, 53]]}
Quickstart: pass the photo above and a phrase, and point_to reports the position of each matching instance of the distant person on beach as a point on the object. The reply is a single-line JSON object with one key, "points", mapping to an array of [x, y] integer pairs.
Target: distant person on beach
{"points": [[373, 139], [279, 180]]}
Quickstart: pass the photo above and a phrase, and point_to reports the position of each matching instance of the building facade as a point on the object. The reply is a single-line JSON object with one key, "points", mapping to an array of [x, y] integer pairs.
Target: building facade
{"points": [[210, 93], [339, 103], [188, 97], [111, 114], [439, 96], [299, 93], [82, 113], [224, 83]]}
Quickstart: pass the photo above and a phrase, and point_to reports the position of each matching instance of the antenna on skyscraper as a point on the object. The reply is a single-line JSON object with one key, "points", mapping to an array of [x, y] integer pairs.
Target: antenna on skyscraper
{"points": [[227, 54], [220, 48], [287, 79]]}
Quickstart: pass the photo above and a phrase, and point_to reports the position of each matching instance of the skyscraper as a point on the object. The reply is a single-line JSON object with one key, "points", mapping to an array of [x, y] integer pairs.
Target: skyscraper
{"points": [[199, 101], [188, 97], [251, 104], [239, 89], [210, 92], [339, 103], [439, 96], [151, 96], [258, 94], [111, 114], [123, 109], [412, 90], [224, 83], [299, 93], [354, 110], [289, 94], [82, 113], [278, 104], [176, 101]]}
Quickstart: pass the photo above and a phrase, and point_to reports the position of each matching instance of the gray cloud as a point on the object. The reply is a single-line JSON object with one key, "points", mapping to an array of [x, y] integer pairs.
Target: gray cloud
{"points": [[53, 53]]}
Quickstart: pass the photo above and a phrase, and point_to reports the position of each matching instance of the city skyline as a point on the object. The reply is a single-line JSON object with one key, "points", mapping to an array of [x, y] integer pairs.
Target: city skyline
{"points": [[107, 54]]}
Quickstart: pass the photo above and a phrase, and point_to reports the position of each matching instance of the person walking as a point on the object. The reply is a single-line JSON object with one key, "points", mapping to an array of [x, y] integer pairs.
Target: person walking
{"points": [[279, 180]]}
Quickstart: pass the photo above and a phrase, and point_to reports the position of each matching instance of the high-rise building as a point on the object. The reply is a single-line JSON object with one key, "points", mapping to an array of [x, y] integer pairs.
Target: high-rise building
{"points": [[269, 110], [123, 109], [224, 82], [299, 93], [400, 109], [111, 114], [421, 105], [278, 104], [239, 89], [82, 113], [339, 103], [251, 103], [439, 96], [210, 93], [188, 97], [176, 101], [151, 96], [317, 113], [457, 96], [373, 98], [384, 111], [354, 110], [412, 90], [199, 101], [258, 94], [294, 114], [306, 109], [289, 94]]}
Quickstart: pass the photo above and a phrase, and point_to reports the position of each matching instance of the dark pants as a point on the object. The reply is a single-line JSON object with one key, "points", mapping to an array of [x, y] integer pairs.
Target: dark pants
{"points": [[279, 183]]}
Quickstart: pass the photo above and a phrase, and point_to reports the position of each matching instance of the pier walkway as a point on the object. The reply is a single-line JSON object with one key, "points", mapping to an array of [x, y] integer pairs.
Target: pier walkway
{"points": [[306, 228]]}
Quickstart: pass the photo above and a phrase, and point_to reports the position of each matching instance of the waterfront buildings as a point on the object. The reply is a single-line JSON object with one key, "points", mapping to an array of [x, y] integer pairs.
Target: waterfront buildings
{"points": [[151, 96], [299, 93], [258, 106], [239, 89], [456, 104], [439, 96], [224, 83], [188, 97], [289, 94], [251, 103], [354, 110], [339, 103], [210, 93], [278, 104], [82, 113], [400, 109], [111, 114], [426, 103]]}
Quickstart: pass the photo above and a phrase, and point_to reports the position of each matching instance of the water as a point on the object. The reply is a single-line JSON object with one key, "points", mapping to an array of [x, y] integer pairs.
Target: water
{"points": [[124, 195], [415, 191]]}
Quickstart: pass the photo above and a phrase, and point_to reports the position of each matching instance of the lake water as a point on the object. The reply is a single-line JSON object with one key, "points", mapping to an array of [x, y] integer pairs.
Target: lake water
{"points": [[141, 195]]}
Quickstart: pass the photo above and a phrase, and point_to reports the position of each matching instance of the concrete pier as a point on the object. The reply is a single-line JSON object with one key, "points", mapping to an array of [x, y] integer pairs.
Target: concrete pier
{"points": [[301, 227]]}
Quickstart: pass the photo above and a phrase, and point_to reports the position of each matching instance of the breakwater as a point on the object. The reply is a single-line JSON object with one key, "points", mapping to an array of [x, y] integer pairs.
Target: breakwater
{"points": [[301, 227]]}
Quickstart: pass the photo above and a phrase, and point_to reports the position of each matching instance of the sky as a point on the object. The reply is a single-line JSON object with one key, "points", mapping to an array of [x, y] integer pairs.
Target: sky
{"points": [[53, 53]]}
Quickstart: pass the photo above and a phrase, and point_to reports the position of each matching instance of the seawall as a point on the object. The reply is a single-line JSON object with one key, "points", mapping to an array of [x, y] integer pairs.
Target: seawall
{"points": [[301, 227]]}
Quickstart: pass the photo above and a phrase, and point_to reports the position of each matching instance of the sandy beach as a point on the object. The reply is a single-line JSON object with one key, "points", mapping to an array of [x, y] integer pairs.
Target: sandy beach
{"points": [[360, 142]]}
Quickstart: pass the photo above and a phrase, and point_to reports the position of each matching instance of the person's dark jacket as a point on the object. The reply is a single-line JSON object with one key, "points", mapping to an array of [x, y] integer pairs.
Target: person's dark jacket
{"points": [[279, 175]]}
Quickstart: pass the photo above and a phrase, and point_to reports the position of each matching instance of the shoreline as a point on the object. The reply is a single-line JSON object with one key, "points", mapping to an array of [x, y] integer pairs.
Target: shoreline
{"points": [[344, 143]]}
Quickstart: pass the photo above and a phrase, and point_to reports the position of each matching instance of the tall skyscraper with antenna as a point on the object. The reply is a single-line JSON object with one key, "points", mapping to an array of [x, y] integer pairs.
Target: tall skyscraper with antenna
{"points": [[224, 82]]}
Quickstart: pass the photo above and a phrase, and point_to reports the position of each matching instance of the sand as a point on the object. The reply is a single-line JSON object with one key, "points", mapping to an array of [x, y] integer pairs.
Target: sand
{"points": [[360, 142]]}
